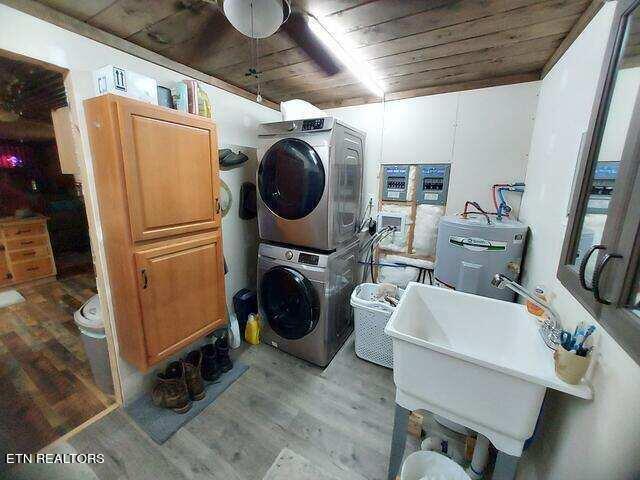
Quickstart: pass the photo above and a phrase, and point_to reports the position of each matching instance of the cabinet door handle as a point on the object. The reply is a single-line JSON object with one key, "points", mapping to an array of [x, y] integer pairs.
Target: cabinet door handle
{"points": [[583, 266], [145, 280], [32, 269], [217, 205], [596, 277], [26, 243]]}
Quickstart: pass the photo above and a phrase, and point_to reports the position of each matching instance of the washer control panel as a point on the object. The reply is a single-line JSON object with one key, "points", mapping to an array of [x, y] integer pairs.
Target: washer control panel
{"points": [[308, 258], [433, 184], [395, 183], [313, 124], [276, 253]]}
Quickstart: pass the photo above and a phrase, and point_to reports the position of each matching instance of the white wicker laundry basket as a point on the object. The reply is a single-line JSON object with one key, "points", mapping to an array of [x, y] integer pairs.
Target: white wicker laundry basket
{"points": [[370, 318]]}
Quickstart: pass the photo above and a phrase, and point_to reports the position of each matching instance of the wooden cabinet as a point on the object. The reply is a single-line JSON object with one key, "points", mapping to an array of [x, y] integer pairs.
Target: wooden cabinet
{"points": [[175, 286], [157, 181], [171, 171], [25, 250]]}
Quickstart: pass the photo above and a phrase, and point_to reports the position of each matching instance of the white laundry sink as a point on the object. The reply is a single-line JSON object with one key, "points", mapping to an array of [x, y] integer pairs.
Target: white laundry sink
{"points": [[477, 361]]}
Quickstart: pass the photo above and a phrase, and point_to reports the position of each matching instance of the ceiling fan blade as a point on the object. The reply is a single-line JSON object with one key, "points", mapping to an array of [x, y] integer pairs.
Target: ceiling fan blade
{"points": [[298, 30]]}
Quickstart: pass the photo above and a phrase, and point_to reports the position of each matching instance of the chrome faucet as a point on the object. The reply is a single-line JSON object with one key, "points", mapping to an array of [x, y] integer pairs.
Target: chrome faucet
{"points": [[550, 328]]}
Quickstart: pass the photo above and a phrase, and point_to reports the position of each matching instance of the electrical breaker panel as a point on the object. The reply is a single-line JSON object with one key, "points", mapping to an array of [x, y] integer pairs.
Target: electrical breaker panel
{"points": [[433, 184], [602, 187], [395, 183]]}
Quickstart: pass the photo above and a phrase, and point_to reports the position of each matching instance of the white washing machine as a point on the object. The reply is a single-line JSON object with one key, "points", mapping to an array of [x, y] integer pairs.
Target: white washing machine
{"points": [[309, 182], [303, 298]]}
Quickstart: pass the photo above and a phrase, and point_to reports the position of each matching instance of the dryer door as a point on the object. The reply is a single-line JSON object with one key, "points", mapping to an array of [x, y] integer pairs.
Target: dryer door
{"points": [[289, 301], [291, 178]]}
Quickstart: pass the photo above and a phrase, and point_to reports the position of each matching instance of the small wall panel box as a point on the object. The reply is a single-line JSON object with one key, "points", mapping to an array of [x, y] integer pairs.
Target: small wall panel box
{"points": [[434, 184], [113, 79], [395, 183], [393, 220]]}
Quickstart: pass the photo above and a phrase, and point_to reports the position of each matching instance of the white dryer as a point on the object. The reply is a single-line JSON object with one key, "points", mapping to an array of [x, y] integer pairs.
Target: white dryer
{"points": [[309, 182]]}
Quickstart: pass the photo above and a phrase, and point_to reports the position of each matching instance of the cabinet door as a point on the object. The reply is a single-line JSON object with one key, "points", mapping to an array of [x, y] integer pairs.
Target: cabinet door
{"points": [[171, 171], [181, 287]]}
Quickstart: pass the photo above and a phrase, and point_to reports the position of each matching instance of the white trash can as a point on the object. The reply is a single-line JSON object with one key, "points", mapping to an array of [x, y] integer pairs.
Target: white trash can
{"points": [[91, 325], [370, 316], [431, 466]]}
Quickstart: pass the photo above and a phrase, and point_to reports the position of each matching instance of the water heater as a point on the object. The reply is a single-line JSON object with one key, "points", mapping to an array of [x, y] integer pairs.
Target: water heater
{"points": [[470, 251]]}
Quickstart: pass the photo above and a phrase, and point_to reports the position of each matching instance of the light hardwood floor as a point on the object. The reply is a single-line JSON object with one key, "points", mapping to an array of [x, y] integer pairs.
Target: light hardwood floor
{"points": [[46, 385], [340, 419]]}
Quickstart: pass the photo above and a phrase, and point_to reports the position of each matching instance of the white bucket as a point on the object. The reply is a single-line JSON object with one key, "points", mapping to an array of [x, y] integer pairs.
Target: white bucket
{"points": [[431, 466]]}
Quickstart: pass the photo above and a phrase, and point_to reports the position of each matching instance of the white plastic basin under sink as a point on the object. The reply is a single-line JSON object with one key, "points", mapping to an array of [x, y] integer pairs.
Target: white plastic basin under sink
{"points": [[477, 361]]}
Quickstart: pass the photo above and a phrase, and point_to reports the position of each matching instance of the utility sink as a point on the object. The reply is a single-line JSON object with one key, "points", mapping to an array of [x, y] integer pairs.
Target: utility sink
{"points": [[477, 361]]}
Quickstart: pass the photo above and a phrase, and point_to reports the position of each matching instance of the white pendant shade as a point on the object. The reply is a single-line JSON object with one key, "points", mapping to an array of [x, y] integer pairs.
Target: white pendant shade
{"points": [[267, 16]]}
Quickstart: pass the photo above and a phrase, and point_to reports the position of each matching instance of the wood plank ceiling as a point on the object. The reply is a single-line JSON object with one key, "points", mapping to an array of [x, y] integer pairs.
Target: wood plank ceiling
{"points": [[30, 90], [415, 47]]}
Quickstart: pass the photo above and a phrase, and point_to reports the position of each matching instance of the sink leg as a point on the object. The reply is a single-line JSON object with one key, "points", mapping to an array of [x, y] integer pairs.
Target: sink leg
{"points": [[398, 441], [506, 466]]}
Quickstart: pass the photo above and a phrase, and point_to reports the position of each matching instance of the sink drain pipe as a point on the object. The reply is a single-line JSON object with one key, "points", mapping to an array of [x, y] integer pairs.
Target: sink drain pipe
{"points": [[480, 458]]}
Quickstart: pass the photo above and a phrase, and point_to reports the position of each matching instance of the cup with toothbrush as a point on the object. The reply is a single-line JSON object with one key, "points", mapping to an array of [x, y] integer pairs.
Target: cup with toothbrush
{"points": [[573, 356]]}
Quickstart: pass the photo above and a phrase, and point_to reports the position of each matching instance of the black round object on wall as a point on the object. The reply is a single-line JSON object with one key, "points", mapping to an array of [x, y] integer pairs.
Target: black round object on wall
{"points": [[291, 179], [289, 302]]}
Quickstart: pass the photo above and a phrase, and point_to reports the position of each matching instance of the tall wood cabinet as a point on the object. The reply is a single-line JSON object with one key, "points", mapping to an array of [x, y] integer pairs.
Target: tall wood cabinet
{"points": [[157, 181]]}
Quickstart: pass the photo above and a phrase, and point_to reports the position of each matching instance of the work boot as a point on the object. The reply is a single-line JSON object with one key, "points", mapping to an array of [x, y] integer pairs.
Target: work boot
{"points": [[222, 352], [210, 367], [170, 390], [193, 375]]}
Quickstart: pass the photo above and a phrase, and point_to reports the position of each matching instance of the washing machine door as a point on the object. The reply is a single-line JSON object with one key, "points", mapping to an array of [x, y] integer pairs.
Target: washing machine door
{"points": [[289, 302], [291, 178]]}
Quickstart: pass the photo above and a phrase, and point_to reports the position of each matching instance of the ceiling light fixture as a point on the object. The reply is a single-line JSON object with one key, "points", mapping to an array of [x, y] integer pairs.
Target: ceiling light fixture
{"points": [[358, 67], [256, 19]]}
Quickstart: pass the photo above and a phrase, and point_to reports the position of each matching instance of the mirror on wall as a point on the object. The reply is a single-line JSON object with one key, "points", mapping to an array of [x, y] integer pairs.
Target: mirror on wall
{"points": [[606, 167], [600, 263]]}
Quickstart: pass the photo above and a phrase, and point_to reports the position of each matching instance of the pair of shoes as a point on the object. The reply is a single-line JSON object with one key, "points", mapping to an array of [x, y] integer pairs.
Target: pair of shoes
{"points": [[180, 384], [215, 359]]}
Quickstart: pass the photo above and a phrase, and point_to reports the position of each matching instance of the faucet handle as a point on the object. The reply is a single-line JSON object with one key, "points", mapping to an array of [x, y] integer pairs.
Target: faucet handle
{"points": [[498, 281]]}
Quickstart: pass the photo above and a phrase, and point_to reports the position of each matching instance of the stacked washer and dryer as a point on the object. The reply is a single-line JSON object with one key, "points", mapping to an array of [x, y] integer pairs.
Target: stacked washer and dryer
{"points": [[309, 197]]}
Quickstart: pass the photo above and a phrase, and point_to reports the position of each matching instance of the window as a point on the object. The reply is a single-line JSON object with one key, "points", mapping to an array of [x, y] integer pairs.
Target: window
{"points": [[601, 252]]}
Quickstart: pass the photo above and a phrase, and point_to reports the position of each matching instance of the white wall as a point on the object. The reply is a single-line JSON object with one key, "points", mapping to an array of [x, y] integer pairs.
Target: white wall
{"points": [[484, 134], [240, 236], [622, 103], [237, 120], [598, 439]]}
